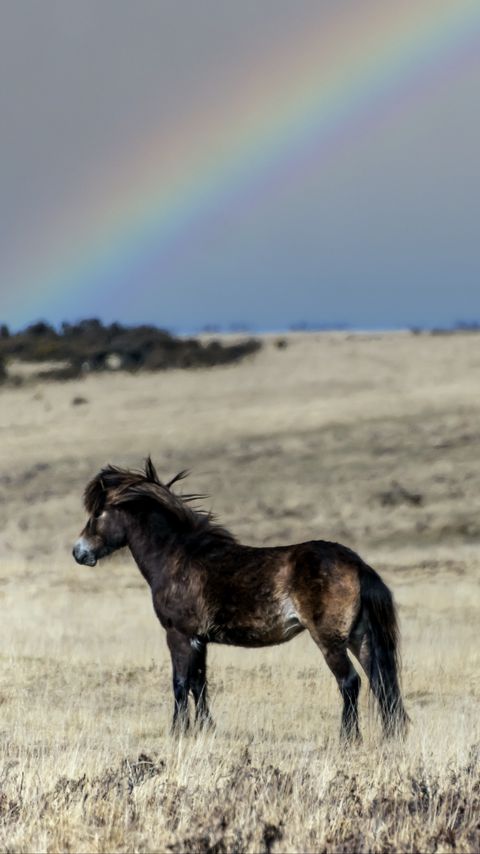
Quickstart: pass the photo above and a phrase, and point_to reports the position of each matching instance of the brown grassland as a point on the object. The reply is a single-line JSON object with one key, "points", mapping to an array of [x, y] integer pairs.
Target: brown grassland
{"points": [[371, 440]]}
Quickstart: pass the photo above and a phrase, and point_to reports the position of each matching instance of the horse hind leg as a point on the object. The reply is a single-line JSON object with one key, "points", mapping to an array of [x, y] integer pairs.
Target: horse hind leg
{"points": [[348, 682], [327, 598], [334, 650]]}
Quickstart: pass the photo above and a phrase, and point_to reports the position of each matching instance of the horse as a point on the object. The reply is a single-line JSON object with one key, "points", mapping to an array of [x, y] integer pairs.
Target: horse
{"points": [[208, 588]]}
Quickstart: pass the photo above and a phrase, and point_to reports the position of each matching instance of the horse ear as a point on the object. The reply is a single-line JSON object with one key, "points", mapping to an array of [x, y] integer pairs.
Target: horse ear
{"points": [[150, 471]]}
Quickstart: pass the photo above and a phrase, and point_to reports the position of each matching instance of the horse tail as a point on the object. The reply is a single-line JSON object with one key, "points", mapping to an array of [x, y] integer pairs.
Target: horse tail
{"points": [[382, 660]]}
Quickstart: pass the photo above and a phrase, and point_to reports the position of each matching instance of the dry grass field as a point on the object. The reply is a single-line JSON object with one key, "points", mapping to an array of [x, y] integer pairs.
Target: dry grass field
{"points": [[372, 440]]}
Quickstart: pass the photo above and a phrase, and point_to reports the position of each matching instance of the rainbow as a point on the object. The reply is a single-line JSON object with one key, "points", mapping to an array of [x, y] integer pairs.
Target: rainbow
{"points": [[302, 97]]}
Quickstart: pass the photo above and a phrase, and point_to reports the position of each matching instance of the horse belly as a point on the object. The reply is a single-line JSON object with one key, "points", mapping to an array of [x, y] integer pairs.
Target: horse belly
{"points": [[260, 630]]}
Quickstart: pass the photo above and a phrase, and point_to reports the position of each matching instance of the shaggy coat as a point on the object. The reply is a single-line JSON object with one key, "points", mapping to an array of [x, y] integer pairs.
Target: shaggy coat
{"points": [[208, 588]]}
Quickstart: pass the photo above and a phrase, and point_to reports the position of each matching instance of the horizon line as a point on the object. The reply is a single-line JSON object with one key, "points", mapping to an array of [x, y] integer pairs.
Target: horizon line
{"points": [[244, 328]]}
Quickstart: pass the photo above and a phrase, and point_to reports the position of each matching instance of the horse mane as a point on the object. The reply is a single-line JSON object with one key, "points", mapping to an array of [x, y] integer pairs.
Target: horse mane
{"points": [[116, 486]]}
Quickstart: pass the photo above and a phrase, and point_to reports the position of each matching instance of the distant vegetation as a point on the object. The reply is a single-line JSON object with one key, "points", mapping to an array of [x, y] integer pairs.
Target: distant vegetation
{"points": [[92, 346]]}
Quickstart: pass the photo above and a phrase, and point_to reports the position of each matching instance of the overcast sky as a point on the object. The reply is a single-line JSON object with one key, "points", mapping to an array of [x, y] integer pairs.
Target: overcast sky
{"points": [[380, 228]]}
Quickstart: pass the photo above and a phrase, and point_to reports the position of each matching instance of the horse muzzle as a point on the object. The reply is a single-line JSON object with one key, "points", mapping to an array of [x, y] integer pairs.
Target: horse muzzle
{"points": [[83, 555]]}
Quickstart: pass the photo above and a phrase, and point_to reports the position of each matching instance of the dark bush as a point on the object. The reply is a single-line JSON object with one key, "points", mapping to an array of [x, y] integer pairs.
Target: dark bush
{"points": [[92, 346], [41, 330]]}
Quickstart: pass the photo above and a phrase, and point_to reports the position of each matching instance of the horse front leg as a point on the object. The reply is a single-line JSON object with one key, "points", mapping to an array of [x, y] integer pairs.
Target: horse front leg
{"points": [[181, 654], [198, 683]]}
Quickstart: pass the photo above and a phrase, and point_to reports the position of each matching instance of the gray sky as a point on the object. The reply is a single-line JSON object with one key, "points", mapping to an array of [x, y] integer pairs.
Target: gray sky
{"points": [[378, 228]]}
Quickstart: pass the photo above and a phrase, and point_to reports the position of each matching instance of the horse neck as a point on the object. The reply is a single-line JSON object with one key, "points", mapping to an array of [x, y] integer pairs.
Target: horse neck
{"points": [[152, 542]]}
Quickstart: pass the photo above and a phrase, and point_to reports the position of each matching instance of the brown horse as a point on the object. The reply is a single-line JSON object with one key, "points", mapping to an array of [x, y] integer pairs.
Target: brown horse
{"points": [[208, 588]]}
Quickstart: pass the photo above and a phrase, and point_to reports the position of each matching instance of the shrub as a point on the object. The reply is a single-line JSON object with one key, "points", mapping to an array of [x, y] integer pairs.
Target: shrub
{"points": [[91, 345]]}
